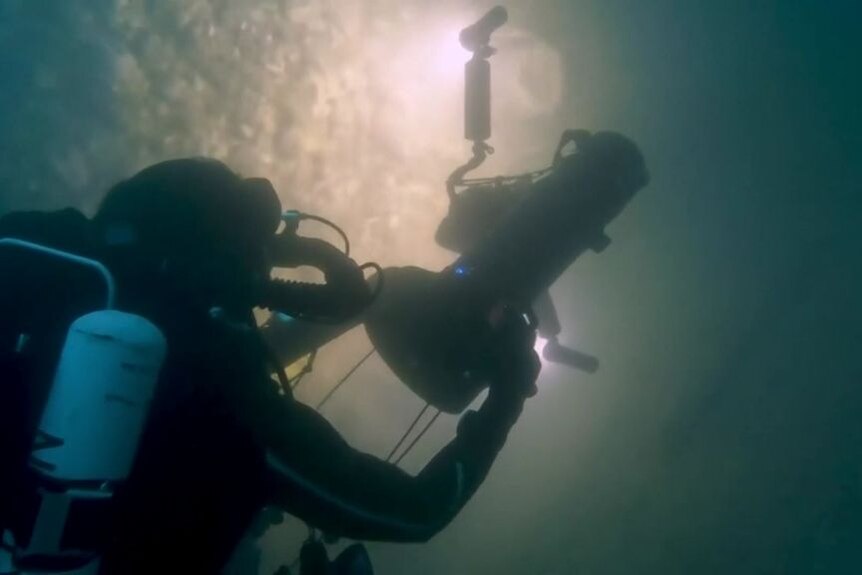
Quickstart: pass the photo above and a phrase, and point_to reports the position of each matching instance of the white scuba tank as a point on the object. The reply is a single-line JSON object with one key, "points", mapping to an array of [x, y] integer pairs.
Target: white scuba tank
{"points": [[92, 422], [89, 431], [100, 398]]}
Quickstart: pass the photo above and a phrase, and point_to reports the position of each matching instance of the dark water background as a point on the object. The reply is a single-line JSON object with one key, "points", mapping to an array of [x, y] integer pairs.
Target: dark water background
{"points": [[723, 433]]}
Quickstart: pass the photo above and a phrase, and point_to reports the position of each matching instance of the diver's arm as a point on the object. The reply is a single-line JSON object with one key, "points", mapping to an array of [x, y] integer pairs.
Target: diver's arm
{"points": [[318, 477], [332, 486]]}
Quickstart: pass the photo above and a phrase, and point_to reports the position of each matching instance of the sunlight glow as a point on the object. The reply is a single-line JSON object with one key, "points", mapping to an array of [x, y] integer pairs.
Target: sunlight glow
{"points": [[450, 56], [353, 111]]}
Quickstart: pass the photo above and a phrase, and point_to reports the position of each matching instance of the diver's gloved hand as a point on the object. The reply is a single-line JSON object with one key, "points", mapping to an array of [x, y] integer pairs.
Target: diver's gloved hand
{"points": [[514, 365]]}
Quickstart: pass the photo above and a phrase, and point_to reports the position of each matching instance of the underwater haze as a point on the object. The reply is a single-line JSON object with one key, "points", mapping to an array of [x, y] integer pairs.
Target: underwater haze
{"points": [[723, 431]]}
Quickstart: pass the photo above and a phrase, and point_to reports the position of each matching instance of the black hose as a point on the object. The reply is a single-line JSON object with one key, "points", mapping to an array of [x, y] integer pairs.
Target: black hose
{"points": [[331, 224]]}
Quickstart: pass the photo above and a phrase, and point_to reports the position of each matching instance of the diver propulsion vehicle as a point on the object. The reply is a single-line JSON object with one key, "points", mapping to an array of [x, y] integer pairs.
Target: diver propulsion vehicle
{"points": [[434, 329], [515, 236]]}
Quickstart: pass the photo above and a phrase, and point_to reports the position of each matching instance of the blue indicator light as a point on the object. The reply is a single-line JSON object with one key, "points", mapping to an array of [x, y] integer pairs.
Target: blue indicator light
{"points": [[461, 271]]}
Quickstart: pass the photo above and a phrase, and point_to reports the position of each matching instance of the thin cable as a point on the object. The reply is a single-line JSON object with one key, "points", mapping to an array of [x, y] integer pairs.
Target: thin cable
{"points": [[306, 369], [409, 430], [298, 380], [333, 225], [274, 362], [508, 179], [418, 437], [344, 379]]}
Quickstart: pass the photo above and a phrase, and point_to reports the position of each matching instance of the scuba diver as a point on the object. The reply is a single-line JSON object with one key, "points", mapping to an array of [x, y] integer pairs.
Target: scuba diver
{"points": [[191, 246]]}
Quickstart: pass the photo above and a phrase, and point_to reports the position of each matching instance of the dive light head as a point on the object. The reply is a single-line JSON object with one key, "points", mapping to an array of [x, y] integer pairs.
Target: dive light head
{"points": [[478, 35]]}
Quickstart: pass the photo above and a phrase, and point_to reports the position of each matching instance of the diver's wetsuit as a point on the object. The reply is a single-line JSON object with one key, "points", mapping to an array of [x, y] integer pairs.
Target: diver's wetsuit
{"points": [[221, 443]]}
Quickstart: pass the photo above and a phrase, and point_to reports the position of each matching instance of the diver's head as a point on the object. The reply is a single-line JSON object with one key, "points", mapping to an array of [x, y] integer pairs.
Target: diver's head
{"points": [[196, 223]]}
